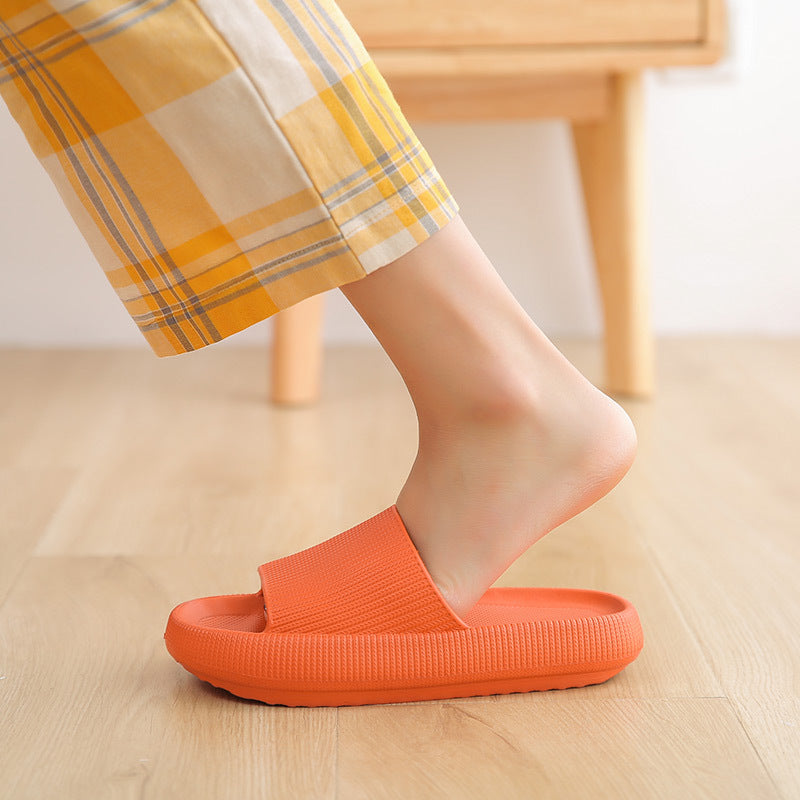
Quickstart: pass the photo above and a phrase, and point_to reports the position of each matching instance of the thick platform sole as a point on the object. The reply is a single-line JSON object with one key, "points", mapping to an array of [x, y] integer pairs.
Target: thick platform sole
{"points": [[359, 697]]}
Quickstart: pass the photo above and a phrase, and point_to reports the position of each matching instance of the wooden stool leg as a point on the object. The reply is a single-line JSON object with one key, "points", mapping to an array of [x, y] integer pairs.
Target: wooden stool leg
{"points": [[297, 352], [610, 157]]}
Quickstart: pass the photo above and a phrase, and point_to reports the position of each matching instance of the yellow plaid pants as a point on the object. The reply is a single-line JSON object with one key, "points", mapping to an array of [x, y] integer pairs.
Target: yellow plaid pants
{"points": [[223, 159]]}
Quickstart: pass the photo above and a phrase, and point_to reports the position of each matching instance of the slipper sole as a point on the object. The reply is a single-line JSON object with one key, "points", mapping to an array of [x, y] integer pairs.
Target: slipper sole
{"points": [[317, 698], [516, 640]]}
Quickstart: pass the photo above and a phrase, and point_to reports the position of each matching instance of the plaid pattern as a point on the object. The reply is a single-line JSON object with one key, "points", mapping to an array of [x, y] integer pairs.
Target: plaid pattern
{"points": [[223, 159]]}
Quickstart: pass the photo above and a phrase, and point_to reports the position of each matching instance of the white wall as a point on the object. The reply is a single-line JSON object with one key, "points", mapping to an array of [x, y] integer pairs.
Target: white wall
{"points": [[724, 200]]}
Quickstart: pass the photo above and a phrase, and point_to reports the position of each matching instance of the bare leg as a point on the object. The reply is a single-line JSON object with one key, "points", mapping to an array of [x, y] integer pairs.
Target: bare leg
{"points": [[513, 440]]}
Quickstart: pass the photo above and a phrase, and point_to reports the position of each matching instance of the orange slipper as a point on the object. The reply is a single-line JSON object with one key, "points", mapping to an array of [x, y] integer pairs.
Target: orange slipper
{"points": [[357, 619]]}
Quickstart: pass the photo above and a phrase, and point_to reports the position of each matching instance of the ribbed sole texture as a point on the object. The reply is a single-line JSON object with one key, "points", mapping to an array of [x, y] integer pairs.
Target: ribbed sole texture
{"points": [[318, 698]]}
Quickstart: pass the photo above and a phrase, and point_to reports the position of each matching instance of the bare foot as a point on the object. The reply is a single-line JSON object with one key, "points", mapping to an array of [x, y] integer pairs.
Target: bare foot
{"points": [[513, 440], [483, 491]]}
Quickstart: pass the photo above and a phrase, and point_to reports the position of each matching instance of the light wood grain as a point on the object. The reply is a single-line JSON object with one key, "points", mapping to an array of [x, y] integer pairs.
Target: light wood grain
{"points": [[24, 522], [716, 24], [463, 23], [610, 154], [297, 352], [111, 716], [560, 747], [576, 43], [580, 97], [189, 480], [719, 497], [483, 60]]}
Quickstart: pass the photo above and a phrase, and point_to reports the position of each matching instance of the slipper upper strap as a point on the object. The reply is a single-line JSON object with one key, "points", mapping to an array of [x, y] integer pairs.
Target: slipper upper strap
{"points": [[368, 579]]}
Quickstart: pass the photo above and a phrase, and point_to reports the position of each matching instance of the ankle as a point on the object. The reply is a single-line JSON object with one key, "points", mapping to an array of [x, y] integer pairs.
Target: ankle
{"points": [[574, 424], [490, 393]]}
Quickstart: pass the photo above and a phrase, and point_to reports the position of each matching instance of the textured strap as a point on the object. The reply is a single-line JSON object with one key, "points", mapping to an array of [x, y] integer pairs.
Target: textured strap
{"points": [[368, 579]]}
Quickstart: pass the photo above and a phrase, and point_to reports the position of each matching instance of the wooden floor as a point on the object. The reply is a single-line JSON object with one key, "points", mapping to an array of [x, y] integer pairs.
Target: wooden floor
{"points": [[131, 483]]}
